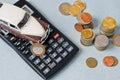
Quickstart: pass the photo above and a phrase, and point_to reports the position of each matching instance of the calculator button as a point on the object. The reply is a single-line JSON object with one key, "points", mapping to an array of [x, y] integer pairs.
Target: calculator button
{"points": [[49, 50], [45, 71], [13, 38], [64, 54], [50, 41], [56, 36], [31, 57], [58, 59], [41, 66], [60, 40], [53, 55], [43, 56], [69, 48], [17, 43], [26, 51], [27, 44], [54, 45], [22, 48], [52, 65], [47, 60], [65, 44], [59, 49], [37, 61]]}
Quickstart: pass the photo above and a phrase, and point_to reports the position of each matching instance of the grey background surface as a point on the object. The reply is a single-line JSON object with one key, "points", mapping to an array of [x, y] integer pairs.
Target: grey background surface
{"points": [[12, 67]]}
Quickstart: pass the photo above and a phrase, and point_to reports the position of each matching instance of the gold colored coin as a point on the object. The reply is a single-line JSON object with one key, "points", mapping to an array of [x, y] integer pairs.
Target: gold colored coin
{"points": [[64, 8], [80, 4], [87, 33], [116, 40], [109, 23], [91, 62], [37, 49], [74, 10]]}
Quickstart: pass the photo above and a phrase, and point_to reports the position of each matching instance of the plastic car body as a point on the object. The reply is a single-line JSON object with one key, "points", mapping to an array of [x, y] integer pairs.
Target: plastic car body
{"points": [[21, 24]]}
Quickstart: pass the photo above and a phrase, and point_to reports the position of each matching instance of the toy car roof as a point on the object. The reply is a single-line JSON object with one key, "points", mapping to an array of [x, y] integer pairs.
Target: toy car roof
{"points": [[11, 14], [19, 17]]}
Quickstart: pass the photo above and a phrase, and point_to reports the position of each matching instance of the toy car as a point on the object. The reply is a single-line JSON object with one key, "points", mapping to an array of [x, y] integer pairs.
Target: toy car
{"points": [[21, 24]]}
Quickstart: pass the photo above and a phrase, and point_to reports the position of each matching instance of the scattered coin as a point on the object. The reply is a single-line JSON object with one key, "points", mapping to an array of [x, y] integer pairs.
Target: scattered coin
{"points": [[80, 4], [64, 8], [78, 27], [108, 61], [116, 61], [91, 62], [37, 49], [74, 10], [116, 40]]}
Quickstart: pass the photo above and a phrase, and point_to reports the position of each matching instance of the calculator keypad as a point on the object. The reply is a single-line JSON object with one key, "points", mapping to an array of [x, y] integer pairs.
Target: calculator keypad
{"points": [[59, 49]]}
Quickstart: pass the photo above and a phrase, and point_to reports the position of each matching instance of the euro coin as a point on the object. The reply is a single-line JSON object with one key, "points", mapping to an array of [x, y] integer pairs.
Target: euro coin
{"points": [[37, 49], [116, 40], [91, 62], [84, 18], [108, 61], [109, 23], [78, 27], [116, 61], [80, 4], [86, 33], [101, 41], [74, 10], [64, 8]]}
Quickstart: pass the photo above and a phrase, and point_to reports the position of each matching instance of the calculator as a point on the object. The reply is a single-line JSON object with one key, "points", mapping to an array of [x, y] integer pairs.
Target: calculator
{"points": [[59, 49]]}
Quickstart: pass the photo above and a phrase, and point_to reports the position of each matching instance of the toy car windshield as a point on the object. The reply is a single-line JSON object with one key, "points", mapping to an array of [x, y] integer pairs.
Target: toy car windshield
{"points": [[20, 23]]}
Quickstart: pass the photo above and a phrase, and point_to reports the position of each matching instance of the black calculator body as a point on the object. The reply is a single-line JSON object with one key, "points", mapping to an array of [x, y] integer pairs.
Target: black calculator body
{"points": [[59, 49]]}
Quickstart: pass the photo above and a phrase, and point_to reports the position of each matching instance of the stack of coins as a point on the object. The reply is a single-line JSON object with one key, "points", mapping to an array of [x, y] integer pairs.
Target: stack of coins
{"points": [[116, 40], [101, 42], [87, 37], [108, 26], [85, 19], [110, 61]]}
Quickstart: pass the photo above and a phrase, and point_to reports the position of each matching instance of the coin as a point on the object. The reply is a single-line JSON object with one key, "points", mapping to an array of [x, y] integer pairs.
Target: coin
{"points": [[74, 10], [91, 62], [116, 40], [84, 18], [101, 42], [116, 61], [109, 23], [80, 4], [64, 8], [37, 49], [86, 33], [88, 42], [90, 25], [78, 27], [109, 35], [108, 61]]}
